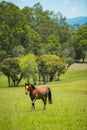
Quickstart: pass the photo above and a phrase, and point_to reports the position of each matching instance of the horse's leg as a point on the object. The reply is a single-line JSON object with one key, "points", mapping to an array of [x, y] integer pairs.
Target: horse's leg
{"points": [[33, 105], [44, 101]]}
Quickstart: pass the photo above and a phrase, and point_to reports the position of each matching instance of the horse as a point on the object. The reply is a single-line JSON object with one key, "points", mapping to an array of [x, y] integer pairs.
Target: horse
{"points": [[39, 92]]}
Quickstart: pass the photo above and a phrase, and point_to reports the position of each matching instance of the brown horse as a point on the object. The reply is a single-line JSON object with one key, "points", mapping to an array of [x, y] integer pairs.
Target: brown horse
{"points": [[40, 92]]}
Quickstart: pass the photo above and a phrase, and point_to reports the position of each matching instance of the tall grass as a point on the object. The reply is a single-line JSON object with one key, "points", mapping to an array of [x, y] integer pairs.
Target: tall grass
{"points": [[68, 111]]}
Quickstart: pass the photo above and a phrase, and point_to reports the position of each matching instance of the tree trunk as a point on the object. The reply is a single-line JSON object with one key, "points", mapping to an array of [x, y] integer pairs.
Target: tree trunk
{"points": [[58, 75], [44, 79], [52, 76], [14, 83], [8, 81], [83, 59], [21, 76]]}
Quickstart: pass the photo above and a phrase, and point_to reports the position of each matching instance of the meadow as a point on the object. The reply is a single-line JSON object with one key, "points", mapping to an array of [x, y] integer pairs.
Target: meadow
{"points": [[68, 111]]}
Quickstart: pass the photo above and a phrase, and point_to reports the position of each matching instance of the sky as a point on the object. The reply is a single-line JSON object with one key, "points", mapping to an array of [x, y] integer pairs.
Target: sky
{"points": [[68, 8]]}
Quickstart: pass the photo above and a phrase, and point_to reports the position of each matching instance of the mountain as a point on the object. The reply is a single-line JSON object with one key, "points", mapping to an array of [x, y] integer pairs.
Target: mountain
{"points": [[77, 21]]}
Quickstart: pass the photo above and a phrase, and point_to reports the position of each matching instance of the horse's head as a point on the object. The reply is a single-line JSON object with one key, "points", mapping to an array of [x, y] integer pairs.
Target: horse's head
{"points": [[27, 88]]}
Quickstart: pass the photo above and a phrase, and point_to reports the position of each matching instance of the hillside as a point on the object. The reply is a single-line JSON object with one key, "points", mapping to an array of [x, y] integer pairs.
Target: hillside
{"points": [[77, 21], [68, 111]]}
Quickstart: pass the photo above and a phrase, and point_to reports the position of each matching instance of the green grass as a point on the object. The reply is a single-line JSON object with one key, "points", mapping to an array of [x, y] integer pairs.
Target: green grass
{"points": [[68, 111]]}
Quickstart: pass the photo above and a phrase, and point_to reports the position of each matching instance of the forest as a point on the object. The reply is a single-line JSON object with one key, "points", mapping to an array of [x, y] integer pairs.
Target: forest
{"points": [[37, 44]]}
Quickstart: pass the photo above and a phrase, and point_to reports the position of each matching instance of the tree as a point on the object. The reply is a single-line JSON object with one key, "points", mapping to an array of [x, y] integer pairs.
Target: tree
{"points": [[28, 66], [29, 33], [18, 51], [49, 65], [60, 19], [10, 68], [67, 50], [80, 43], [53, 46], [31, 40], [64, 32], [44, 23], [11, 26], [28, 14], [69, 62]]}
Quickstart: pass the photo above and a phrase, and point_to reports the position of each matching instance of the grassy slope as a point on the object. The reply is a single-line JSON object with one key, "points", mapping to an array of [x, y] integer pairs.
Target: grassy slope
{"points": [[68, 111]]}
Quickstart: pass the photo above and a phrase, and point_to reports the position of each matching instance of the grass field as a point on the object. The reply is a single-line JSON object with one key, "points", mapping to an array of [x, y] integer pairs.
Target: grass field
{"points": [[68, 111]]}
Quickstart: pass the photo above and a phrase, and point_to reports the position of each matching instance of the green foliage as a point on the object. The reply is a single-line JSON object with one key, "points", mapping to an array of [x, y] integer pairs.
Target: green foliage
{"points": [[18, 51], [69, 62], [53, 46], [68, 50], [49, 65], [11, 69], [28, 14], [28, 65], [31, 40], [2, 55], [81, 42], [34, 29], [11, 26], [64, 33], [43, 34]]}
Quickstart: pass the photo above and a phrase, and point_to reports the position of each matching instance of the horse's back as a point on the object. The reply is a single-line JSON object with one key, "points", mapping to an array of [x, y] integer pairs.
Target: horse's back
{"points": [[42, 89]]}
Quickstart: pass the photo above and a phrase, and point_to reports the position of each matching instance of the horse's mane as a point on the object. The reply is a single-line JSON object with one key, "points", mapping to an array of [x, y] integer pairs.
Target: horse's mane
{"points": [[32, 86]]}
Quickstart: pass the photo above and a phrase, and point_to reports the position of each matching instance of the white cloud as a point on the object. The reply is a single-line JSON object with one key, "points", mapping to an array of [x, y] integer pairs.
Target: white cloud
{"points": [[24, 0], [66, 2], [73, 11]]}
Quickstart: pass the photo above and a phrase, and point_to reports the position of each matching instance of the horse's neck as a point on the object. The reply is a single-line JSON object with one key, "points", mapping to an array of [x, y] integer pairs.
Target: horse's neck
{"points": [[32, 89]]}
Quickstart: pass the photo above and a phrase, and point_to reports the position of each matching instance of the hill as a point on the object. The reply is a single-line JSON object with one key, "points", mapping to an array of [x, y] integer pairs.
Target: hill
{"points": [[68, 111], [77, 21]]}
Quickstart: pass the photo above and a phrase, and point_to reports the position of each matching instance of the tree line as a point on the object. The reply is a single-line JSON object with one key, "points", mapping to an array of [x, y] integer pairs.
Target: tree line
{"points": [[38, 44]]}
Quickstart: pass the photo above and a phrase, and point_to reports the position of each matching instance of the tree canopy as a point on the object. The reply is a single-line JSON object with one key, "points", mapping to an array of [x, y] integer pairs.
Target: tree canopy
{"points": [[80, 43], [37, 42]]}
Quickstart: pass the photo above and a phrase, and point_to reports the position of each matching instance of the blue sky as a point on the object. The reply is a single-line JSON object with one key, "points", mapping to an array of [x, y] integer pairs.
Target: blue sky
{"points": [[69, 8]]}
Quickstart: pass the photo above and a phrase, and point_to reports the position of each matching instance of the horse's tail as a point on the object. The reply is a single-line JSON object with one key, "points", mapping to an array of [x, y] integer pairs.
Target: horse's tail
{"points": [[49, 96]]}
